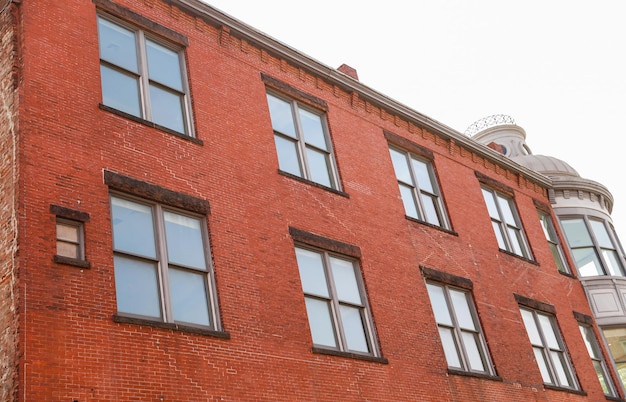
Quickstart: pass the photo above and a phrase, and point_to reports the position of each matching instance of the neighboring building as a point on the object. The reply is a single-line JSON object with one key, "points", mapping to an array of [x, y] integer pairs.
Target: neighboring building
{"points": [[193, 211], [583, 208]]}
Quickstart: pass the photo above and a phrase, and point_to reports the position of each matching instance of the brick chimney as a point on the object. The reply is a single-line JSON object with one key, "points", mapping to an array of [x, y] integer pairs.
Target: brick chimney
{"points": [[349, 71]]}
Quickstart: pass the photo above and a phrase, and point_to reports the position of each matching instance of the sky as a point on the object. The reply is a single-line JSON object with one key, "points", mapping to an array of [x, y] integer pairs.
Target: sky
{"points": [[557, 67]]}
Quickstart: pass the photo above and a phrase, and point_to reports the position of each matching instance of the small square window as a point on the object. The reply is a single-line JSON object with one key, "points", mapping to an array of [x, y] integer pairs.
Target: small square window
{"points": [[70, 239]]}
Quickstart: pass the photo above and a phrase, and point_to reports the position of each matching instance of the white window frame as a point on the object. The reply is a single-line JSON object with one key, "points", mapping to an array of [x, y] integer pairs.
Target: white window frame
{"points": [[143, 76], [457, 331], [302, 145], [506, 229], [418, 190], [163, 264], [335, 304]]}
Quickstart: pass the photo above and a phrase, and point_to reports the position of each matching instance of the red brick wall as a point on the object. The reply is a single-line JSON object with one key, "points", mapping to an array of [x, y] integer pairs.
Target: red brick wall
{"points": [[71, 348], [8, 222]]}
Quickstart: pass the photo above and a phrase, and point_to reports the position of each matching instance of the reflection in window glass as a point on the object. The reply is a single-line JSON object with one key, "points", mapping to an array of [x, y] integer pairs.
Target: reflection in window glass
{"points": [[302, 142], [418, 188], [461, 336], [338, 316], [595, 353]]}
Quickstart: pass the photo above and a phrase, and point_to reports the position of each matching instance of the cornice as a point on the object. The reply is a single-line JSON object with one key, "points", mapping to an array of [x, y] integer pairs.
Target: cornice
{"points": [[244, 31]]}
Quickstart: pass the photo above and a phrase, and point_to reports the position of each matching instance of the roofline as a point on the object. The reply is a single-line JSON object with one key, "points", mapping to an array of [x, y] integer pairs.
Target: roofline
{"points": [[218, 18]]}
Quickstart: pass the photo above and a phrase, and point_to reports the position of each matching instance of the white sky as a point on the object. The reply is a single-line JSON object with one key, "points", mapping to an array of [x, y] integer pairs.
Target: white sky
{"points": [[557, 67]]}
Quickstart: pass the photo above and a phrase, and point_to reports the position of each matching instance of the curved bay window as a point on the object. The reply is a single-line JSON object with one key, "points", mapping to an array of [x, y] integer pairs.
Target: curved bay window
{"points": [[594, 246]]}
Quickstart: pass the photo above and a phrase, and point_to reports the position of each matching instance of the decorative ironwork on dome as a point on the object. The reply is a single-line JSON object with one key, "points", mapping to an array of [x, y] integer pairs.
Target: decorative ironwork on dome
{"points": [[489, 121]]}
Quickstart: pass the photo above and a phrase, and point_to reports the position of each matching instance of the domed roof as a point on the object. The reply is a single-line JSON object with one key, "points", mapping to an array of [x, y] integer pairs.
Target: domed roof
{"points": [[547, 165]]}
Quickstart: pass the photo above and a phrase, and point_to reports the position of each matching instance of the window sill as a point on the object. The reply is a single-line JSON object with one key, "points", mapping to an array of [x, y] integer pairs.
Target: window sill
{"points": [[312, 183], [59, 259], [475, 375], [570, 390], [614, 398], [518, 256], [349, 355], [149, 124], [120, 319], [567, 274], [442, 229]]}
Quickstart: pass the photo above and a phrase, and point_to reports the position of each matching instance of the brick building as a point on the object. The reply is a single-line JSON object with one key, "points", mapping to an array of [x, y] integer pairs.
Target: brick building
{"points": [[193, 211]]}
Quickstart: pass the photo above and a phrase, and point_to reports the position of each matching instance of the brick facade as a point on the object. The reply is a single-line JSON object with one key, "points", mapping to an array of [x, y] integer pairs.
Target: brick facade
{"points": [[73, 346]]}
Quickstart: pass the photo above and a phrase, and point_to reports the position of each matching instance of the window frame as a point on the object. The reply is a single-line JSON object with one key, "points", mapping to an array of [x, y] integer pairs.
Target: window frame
{"points": [[143, 34], [503, 235], [595, 245], [545, 348], [457, 331], [339, 332], [418, 191], [599, 361], [157, 210], [80, 235], [300, 143], [554, 242]]}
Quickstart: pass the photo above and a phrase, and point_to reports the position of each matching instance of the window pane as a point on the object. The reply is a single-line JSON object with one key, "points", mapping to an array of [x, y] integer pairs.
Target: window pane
{"points": [[164, 65], [439, 304], [576, 233], [137, 288], [548, 332], [423, 175], [345, 281], [313, 129], [560, 366], [505, 207], [548, 230], [353, 329], [68, 249], [320, 322], [287, 156], [543, 366], [167, 109], [319, 167], [471, 343], [132, 227], [514, 237], [67, 232], [408, 199], [616, 339], [449, 347], [602, 378], [184, 240], [497, 229], [491, 204], [120, 91], [461, 310], [282, 118], [189, 297], [531, 327], [312, 274], [558, 257], [400, 166], [590, 343], [587, 262], [602, 236], [117, 45], [612, 261], [430, 209]]}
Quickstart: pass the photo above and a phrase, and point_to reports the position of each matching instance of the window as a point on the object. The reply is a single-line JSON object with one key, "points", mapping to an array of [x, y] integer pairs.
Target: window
{"points": [[162, 266], [143, 76], [335, 301], [302, 142], [616, 339], [70, 240], [459, 329], [598, 361], [553, 242], [550, 354], [593, 247], [505, 222], [418, 188]]}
